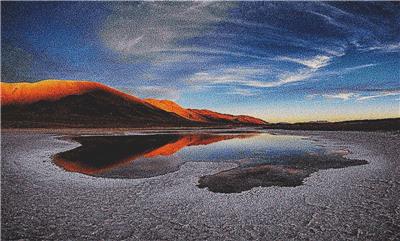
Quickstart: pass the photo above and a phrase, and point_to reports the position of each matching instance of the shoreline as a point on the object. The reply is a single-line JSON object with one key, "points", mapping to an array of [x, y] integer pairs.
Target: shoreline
{"points": [[367, 125], [81, 131]]}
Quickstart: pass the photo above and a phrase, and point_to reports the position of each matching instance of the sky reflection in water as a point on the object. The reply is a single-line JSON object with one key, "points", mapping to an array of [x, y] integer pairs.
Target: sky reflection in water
{"points": [[263, 159]]}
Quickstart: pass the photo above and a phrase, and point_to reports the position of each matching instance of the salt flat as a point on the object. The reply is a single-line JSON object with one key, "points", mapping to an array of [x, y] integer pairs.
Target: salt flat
{"points": [[42, 201]]}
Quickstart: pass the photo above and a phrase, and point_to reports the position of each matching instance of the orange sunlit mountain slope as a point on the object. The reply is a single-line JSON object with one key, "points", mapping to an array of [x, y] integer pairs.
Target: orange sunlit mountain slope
{"points": [[51, 90], [65, 103], [203, 115], [171, 106], [215, 116]]}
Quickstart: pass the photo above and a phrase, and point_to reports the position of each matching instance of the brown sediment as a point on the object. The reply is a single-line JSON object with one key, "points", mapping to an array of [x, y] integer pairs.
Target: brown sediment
{"points": [[290, 172]]}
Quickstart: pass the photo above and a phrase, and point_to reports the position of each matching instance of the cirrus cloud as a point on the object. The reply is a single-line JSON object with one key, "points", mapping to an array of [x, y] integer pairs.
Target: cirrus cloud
{"points": [[147, 28]]}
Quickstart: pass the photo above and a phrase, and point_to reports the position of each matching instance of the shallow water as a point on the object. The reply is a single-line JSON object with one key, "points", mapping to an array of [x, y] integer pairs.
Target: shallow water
{"points": [[263, 159]]}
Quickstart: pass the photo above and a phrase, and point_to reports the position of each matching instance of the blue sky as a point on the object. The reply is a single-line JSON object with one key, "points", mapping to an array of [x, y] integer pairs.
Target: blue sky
{"points": [[280, 61]]}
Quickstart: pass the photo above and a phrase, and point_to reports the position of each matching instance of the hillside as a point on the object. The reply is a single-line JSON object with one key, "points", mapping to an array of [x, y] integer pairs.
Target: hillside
{"points": [[205, 116], [62, 103], [390, 124]]}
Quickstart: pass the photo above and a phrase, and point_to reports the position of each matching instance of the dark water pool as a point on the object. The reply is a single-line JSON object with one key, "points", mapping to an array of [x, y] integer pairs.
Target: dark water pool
{"points": [[263, 159]]}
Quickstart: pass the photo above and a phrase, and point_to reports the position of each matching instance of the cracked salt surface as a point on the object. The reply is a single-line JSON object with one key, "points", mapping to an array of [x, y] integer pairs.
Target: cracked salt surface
{"points": [[42, 201]]}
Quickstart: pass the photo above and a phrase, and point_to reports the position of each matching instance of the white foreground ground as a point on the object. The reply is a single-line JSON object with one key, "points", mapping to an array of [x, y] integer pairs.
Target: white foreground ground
{"points": [[41, 201]]}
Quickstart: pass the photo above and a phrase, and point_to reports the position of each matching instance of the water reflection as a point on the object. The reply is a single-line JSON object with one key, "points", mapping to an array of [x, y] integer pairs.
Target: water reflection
{"points": [[262, 159], [133, 156]]}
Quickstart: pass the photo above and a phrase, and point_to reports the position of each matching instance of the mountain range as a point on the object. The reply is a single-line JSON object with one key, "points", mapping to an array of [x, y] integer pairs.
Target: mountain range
{"points": [[86, 104]]}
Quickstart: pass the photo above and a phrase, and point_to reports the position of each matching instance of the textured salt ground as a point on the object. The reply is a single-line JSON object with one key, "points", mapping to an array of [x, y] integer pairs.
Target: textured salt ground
{"points": [[41, 201]]}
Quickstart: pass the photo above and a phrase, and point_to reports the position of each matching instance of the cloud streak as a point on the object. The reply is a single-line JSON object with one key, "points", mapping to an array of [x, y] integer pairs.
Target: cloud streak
{"points": [[144, 28], [345, 96], [341, 96], [379, 95], [316, 62], [250, 76]]}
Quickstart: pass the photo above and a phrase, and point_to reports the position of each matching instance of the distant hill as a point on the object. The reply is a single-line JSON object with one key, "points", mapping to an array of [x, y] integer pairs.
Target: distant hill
{"points": [[205, 116], [61, 103], [356, 125], [171, 106]]}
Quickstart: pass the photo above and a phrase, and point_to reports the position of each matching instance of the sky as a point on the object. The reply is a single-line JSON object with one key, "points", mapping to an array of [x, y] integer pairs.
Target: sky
{"points": [[279, 61]]}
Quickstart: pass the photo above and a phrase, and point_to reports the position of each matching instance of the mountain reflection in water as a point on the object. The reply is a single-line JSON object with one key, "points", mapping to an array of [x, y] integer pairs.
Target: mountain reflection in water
{"points": [[132, 156], [263, 159]]}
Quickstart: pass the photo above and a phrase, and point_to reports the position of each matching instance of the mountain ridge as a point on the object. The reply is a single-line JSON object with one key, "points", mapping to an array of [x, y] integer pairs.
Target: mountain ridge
{"points": [[66, 103], [203, 115]]}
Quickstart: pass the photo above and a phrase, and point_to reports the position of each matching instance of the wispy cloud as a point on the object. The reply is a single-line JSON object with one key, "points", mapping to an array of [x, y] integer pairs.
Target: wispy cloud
{"points": [[313, 65], [243, 92], [196, 41], [355, 96], [342, 96], [239, 75], [348, 69], [379, 95], [343, 71], [383, 48], [316, 62], [147, 27], [283, 79], [250, 77], [209, 52]]}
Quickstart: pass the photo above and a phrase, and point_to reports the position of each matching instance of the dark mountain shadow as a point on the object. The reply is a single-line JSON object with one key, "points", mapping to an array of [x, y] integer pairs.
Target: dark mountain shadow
{"points": [[96, 108]]}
